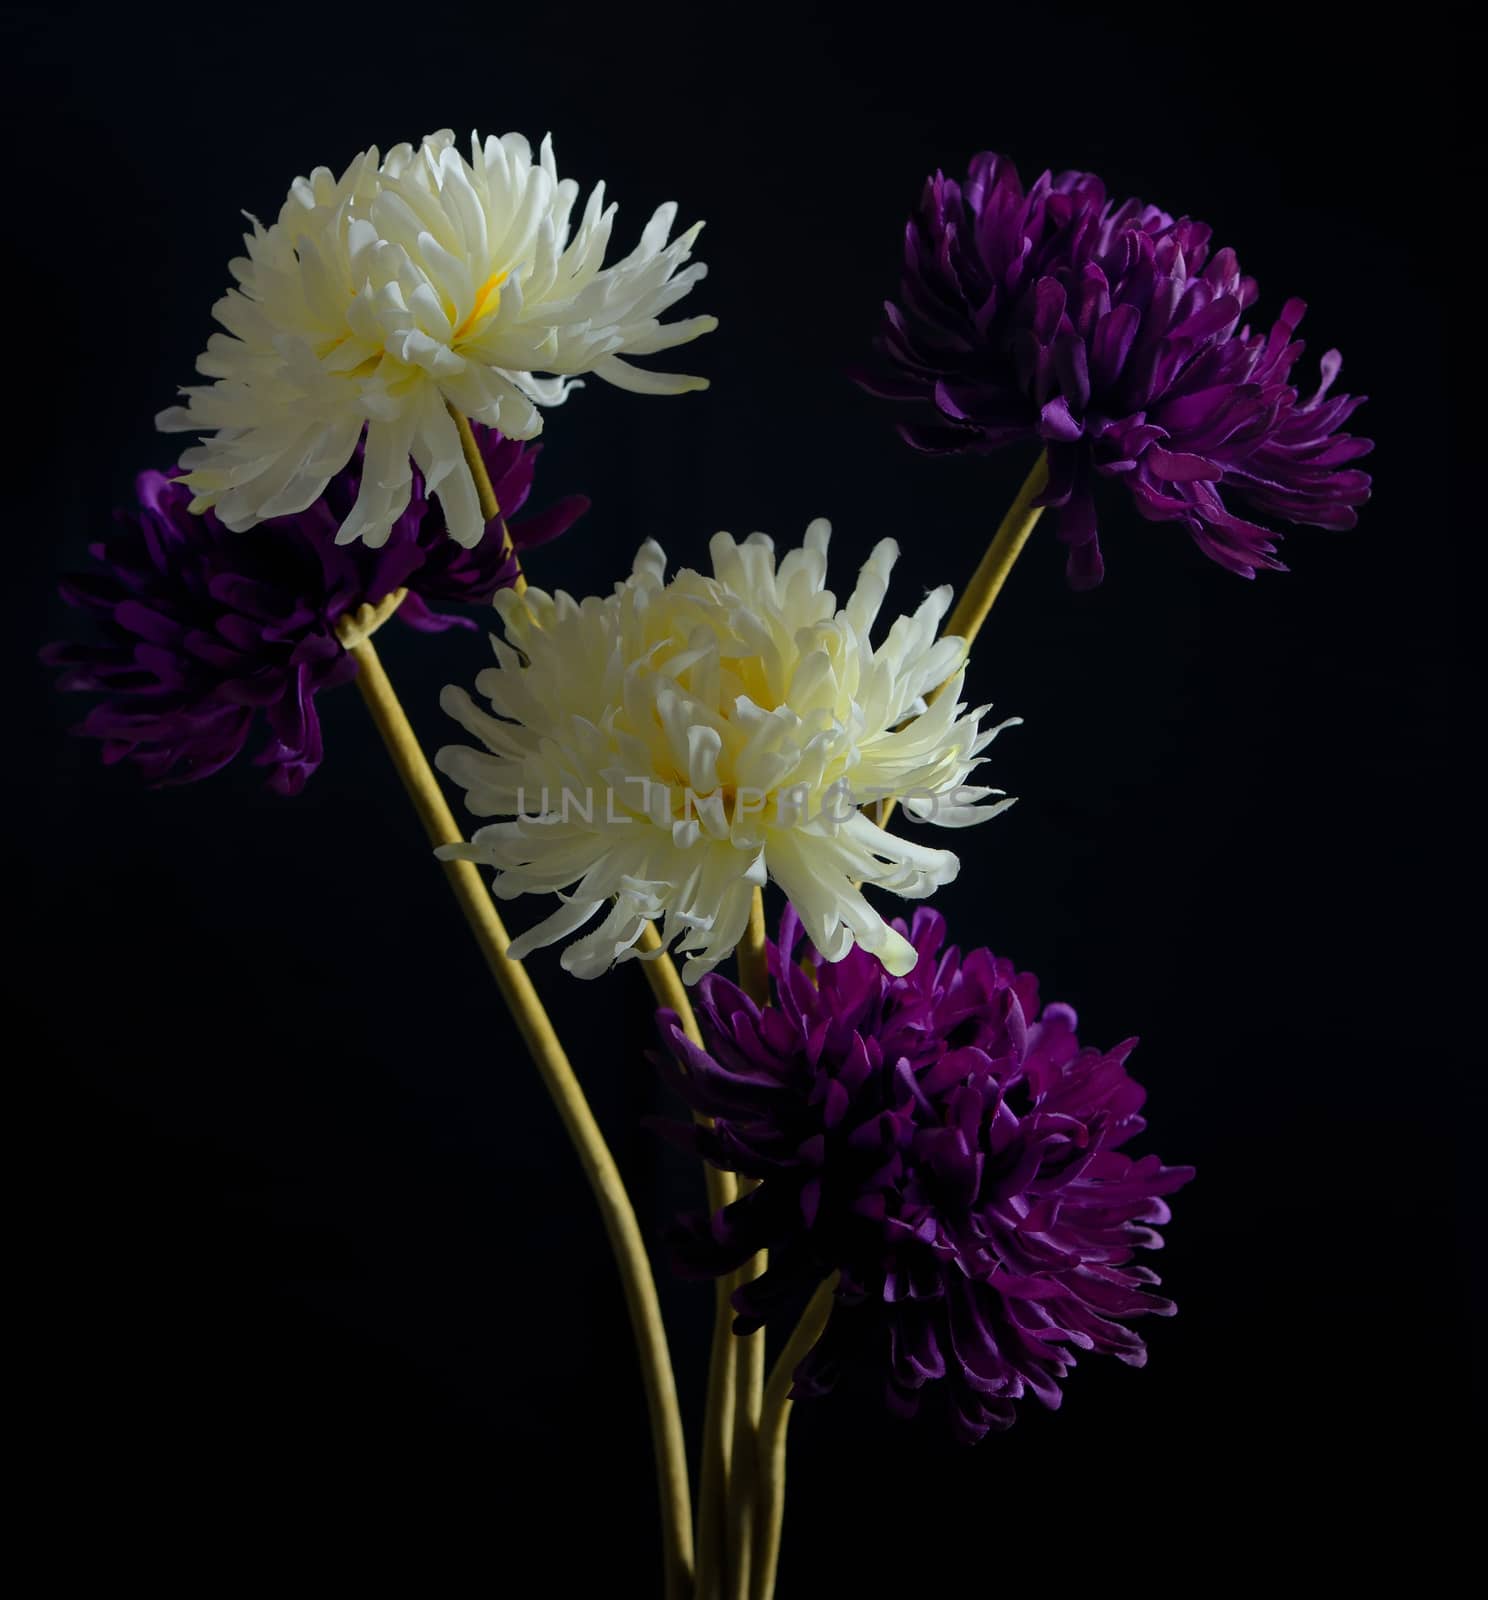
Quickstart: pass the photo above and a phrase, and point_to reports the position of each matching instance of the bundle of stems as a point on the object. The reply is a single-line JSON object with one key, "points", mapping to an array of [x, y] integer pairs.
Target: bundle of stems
{"points": [[741, 1487]]}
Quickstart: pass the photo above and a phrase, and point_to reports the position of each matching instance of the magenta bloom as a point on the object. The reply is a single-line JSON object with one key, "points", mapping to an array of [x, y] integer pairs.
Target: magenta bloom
{"points": [[201, 631], [1109, 335], [943, 1143]]}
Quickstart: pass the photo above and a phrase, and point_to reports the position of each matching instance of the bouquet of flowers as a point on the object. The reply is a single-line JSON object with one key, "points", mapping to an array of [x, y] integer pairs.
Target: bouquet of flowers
{"points": [[909, 1162]]}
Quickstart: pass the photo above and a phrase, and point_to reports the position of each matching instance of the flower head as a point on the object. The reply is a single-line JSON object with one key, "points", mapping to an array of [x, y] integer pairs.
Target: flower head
{"points": [[674, 744], [1110, 335], [944, 1144], [202, 630], [409, 287]]}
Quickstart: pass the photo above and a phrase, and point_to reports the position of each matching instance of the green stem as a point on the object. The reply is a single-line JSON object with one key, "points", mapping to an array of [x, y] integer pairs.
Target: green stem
{"points": [[774, 1419]]}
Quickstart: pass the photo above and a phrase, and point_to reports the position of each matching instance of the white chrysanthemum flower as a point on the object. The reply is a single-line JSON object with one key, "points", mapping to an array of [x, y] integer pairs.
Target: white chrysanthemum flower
{"points": [[407, 287], [671, 746]]}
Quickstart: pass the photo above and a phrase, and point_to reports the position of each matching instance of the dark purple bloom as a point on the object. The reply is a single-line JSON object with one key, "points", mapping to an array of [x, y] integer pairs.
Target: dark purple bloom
{"points": [[1111, 336], [202, 630], [944, 1144]]}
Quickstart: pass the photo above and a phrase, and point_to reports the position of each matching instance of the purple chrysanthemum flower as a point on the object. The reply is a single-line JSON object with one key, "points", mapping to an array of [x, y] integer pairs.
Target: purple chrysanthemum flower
{"points": [[202, 629], [1110, 335], [942, 1143]]}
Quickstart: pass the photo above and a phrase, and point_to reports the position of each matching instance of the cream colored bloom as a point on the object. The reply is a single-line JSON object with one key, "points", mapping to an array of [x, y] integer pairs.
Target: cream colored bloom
{"points": [[405, 287], [666, 748]]}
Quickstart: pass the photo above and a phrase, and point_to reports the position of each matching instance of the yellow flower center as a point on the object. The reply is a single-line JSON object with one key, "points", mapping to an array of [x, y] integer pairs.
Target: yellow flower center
{"points": [[487, 299]]}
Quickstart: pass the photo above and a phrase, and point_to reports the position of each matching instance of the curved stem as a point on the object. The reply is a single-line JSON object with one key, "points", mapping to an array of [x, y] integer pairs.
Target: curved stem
{"points": [[970, 611], [774, 1419], [718, 1419], [490, 510], [669, 991], [553, 1066]]}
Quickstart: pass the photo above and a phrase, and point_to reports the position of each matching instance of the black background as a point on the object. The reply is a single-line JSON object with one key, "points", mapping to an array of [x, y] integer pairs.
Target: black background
{"points": [[309, 1265]]}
